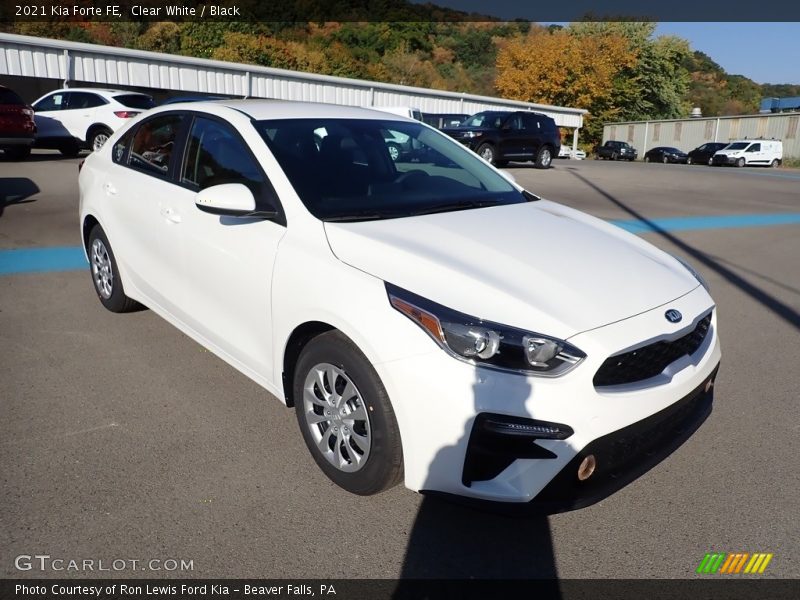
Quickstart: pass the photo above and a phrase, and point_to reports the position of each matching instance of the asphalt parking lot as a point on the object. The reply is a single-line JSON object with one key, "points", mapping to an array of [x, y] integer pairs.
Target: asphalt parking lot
{"points": [[123, 439]]}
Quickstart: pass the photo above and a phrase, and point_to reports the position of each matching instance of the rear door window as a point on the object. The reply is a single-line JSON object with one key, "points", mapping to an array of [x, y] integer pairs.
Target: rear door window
{"points": [[83, 100], [153, 144]]}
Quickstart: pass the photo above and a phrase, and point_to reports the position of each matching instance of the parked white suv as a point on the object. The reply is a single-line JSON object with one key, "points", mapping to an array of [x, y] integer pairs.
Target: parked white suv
{"points": [[72, 118], [429, 321], [767, 153]]}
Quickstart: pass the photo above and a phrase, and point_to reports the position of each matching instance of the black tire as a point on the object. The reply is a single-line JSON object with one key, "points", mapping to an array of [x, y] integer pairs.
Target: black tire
{"points": [[544, 158], [116, 301], [613, 156], [486, 152], [18, 152], [710, 161], [740, 162], [383, 466], [647, 159], [394, 151], [70, 149], [665, 160], [98, 138], [775, 163], [689, 160]]}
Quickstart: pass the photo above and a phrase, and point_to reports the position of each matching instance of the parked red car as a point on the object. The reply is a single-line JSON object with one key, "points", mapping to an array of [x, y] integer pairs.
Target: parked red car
{"points": [[17, 128]]}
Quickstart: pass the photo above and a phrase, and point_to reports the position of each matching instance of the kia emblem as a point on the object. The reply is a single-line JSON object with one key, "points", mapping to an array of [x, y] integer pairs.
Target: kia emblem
{"points": [[673, 316]]}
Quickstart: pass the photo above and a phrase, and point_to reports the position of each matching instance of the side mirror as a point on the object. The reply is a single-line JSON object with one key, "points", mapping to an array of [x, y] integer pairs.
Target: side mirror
{"points": [[231, 200]]}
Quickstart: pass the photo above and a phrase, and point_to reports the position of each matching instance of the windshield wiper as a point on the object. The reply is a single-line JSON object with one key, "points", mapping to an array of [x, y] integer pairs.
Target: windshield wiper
{"points": [[452, 206], [364, 215]]}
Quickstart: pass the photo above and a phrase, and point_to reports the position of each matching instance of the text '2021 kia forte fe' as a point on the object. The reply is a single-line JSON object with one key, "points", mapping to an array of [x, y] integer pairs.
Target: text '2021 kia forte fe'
{"points": [[428, 319]]}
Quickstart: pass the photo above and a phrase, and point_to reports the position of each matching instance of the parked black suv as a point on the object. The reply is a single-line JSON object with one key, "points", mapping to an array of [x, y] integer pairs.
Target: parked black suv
{"points": [[500, 136], [613, 150]]}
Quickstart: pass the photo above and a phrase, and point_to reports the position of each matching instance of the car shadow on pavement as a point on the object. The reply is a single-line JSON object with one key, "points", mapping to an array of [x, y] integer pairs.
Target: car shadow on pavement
{"points": [[780, 309], [16, 190], [451, 540]]}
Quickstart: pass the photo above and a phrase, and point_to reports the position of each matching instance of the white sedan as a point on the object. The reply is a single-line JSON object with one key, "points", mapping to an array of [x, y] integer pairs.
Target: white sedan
{"points": [[430, 322]]}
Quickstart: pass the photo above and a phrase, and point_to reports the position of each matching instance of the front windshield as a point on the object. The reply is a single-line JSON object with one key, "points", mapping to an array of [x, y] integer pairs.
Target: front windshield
{"points": [[738, 146], [362, 169], [485, 119]]}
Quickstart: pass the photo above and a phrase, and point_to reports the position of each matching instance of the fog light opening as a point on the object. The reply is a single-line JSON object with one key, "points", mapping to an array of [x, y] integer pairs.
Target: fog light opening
{"points": [[709, 385], [588, 465]]}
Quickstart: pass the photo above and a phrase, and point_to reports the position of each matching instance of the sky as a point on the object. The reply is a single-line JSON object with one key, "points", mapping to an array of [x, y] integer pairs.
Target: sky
{"points": [[764, 52]]}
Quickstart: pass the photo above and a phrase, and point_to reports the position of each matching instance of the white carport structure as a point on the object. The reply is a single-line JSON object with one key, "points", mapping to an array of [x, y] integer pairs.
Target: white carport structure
{"points": [[42, 58]]}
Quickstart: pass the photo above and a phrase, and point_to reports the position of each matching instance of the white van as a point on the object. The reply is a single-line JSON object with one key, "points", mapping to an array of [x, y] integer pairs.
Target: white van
{"points": [[403, 111], [768, 153]]}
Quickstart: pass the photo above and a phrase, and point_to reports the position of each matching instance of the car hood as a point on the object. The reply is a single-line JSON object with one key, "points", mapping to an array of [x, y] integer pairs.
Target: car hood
{"points": [[729, 152], [539, 266]]}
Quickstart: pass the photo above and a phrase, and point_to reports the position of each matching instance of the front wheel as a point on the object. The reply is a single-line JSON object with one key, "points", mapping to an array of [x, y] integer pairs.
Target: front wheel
{"points": [[543, 158], [18, 152], [665, 160], [689, 160], [345, 416], [70, 149], [647, 159], [710, 161], [105, 274], [740, 162]]}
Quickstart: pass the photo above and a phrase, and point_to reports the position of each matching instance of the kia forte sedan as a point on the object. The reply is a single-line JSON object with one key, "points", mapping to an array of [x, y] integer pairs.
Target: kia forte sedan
{"points": [[430, 322]]}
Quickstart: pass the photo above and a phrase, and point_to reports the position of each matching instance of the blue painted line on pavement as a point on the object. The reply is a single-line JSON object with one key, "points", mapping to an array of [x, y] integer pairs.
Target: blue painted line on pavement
{"points": [[707, 222], [71, 258], [41, 260]]}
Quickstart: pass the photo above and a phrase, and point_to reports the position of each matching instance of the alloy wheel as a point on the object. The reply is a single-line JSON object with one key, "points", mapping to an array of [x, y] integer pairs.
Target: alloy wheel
{"points": [[336, 416], [102, 273]]}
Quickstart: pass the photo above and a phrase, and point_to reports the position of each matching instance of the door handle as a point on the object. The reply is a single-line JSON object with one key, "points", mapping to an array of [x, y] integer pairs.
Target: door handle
{"points": [[110, 189], [170, 215]]}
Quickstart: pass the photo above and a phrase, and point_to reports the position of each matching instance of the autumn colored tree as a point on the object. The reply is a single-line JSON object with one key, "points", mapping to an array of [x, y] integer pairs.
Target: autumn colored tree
{"points": [[556, 67]]}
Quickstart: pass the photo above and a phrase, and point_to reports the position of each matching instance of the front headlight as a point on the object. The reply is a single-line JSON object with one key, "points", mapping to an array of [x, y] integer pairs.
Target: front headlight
{"points": [[473, 134], [692, 270], [486, 343]]}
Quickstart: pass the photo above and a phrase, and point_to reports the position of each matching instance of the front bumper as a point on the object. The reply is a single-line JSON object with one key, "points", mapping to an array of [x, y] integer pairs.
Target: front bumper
{"points": [[438, 400], [723, 159]]}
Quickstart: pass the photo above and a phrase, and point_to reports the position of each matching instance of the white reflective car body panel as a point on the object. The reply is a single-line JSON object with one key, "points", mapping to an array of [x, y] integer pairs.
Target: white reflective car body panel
{"points": [[241, 287]]}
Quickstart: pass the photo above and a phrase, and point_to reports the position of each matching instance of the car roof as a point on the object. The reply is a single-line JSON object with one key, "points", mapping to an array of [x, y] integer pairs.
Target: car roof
{"points": [[261, 110]]}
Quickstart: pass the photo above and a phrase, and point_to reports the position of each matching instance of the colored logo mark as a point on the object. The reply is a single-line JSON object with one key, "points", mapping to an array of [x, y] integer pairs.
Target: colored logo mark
{"points": [[734, 563]]}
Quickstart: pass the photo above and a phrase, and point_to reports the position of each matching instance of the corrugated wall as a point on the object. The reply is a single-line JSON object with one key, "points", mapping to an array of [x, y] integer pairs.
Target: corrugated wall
{"points": [[25, 56], [687, 134]]}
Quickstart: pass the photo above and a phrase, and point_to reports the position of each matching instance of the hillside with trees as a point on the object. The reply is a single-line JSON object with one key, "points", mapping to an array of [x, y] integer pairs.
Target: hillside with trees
{"points": [[617, 71]]}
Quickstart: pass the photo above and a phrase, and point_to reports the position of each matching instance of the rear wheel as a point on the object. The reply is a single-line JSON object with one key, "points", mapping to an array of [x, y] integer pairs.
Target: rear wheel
{"points": [[774, 164], [543, 158], [345, 416], [98, 138], [105, 275]]}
